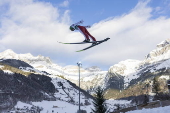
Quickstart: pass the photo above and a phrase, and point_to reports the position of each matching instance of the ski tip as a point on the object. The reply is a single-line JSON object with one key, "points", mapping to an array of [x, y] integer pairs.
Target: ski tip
{"points": [[79, 51], [58, 41], [63, 43]]}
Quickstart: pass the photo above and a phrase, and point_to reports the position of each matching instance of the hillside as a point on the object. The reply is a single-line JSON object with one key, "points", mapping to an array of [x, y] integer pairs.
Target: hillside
{"points": [[26, 85]]}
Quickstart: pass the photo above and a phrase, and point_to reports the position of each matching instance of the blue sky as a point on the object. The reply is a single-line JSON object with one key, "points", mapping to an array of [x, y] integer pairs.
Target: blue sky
{"points": [[134, 26], [93, 11]]}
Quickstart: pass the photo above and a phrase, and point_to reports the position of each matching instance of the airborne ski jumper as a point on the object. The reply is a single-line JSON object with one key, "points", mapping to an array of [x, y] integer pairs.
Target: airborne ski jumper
{"points": [[82, 30], [86, 34]]}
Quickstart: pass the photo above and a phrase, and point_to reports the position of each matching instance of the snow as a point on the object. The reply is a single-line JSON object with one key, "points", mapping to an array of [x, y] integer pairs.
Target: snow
{"points": [[22, 105], [62, 104], [60, 107], [126, 67], [154, 110], [165, 64], [29, 69], [163, 43], [65, 107], [8, 71], [111, 103], [98, 75], [1, 66], [159, 54], [165, 77]]}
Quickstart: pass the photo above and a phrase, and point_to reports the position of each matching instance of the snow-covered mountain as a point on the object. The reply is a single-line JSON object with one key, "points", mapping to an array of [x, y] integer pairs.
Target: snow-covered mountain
{"points": [[92, 75], [126, 69], [125, 79], [28, 86], [39, 62], [21, 83], [118, 76], [162, 52], [45, 64], [130, 69], [129, 73]]}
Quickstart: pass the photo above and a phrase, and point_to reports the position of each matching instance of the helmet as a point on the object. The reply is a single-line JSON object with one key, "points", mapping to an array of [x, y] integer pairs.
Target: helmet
{"points": [[71, 28]]}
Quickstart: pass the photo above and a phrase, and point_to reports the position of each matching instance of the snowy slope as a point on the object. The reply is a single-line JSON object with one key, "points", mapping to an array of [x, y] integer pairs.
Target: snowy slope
{"points": [[154, 110], [64, 107], [65, 95]]}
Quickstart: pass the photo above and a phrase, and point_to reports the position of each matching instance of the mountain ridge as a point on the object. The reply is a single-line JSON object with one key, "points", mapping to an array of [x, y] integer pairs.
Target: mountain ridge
{"points": [[125, 71], [129, 79]]}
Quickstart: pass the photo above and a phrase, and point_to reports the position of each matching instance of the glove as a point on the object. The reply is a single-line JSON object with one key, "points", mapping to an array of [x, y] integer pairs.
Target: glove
{"points": [[88, 26], [81, 21]]}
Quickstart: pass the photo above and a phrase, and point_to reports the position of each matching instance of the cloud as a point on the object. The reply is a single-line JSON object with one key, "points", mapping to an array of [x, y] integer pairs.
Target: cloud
{"points": [[65, 3], [36, 27], [32, 25], [133, 35]]}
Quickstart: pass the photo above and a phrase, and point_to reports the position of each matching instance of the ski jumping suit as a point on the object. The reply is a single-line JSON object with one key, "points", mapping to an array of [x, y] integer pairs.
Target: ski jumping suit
{"points": [[83, 30]]}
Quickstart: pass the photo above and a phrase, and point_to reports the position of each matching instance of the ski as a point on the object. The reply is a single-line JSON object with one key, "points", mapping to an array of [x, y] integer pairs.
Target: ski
{"points": [[85, 42], [74, 43], [97, 43]]}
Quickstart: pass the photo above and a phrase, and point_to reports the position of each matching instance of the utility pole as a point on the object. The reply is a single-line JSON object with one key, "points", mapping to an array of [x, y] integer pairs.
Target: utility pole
{"points": [[79, 65]]}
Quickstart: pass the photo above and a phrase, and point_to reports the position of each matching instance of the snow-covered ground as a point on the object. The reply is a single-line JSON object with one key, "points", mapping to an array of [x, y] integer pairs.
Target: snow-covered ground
{"points": [[154, 110], [60, 107], [65, 107], [52, 107], [111, 104]]}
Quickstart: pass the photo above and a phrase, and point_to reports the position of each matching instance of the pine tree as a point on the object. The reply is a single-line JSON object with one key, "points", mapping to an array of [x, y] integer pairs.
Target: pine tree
{"points": [[155, 85], [99, 101]]}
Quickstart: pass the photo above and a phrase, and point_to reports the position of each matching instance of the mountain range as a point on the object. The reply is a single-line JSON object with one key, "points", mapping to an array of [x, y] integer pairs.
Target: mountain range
{"points": [[50, 81]]}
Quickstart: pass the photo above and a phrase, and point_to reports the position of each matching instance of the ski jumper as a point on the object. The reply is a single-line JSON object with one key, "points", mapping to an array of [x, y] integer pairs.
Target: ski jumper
{"points": [[82, 30]]}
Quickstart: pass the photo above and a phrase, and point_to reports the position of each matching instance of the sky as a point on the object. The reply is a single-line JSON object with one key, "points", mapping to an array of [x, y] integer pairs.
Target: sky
{"points": [[134, 27]]}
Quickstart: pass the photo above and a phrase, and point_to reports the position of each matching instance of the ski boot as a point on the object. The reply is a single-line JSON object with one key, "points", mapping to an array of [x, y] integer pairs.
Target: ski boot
{"points": [[86, 40]]}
